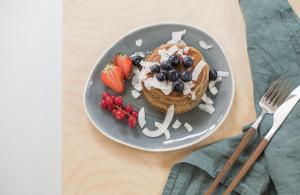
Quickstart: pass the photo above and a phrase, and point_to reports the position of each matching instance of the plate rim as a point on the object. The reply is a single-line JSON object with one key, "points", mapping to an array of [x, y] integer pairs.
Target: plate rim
{"points": [[201, 138]]}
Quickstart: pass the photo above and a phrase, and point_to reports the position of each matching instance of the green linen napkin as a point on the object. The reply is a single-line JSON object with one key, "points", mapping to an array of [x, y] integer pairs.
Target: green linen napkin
{"points": [[273, 38]]}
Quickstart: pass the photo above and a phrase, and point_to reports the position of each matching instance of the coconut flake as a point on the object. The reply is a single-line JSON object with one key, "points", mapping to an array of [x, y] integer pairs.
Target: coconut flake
{"points": [[193, 95], [147, 84], [143, 74], [152, 133], [213, 90], [163, 128], [162, 52], [222, 74], [180, 52], [187, 87], [157, 124], [136, 71], [198, 69], [188, 127], [207, 99], [176, 36], [168, 118], [173, 49], [205, 45], [213, 83], [187, 91], [163, 55], [211, 86], [184, 56], [139, 42], [181, 42], [165, 87], [176, 124], [145, 70], [135, 94], [147, 64], [166, 133], [135, 79], [207, 108], [138, 54], [186, 50], [142, 117], [138, 86]]}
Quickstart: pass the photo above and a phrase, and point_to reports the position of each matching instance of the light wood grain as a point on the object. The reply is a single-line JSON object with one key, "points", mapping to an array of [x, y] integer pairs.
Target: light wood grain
{"points": [[93, 164]]}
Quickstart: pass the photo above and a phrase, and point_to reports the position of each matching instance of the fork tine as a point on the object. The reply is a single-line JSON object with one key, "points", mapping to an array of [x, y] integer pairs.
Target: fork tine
{"points": [[284, 94], [275, 91], [272, 87], [280, 93]]}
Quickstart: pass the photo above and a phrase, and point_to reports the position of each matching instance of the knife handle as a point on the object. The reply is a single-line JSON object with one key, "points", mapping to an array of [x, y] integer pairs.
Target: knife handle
{"points": [[251, 160], [248, 135]]}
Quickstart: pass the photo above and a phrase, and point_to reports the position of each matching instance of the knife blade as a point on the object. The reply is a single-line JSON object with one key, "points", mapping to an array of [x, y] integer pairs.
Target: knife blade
{"points": [[283, 111], [279, 116], [296, 91]]}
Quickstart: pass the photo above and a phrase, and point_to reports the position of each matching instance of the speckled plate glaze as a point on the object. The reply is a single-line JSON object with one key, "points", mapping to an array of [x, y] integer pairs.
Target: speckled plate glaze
{"points": [[204, 124]]}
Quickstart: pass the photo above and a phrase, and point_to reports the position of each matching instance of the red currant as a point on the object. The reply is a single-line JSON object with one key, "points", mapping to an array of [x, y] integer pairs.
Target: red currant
{"points": [[114, 112], [121, 107], [128, 109], [134, 114], [118, 110], [103, 104], [132, 122], [113, 97], [110, 107], [105, 95], [120, 114], [118, 100], [108, 101]]}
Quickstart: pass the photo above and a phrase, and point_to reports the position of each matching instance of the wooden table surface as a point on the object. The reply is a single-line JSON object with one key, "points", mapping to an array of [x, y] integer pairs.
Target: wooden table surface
{"points": [[93, 164]]}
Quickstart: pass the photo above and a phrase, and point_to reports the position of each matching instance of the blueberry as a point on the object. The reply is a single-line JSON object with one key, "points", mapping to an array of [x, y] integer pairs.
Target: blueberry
{"points": [[155, 68], [166, 65], [186, 76], [178, 86], [187, 62], [175, 60], [161, 76], [213, 75], [172, 75], [136, 60]]}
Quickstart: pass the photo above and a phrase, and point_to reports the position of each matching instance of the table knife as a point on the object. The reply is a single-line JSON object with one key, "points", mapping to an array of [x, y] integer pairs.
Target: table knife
{"points": [[279, 116]]}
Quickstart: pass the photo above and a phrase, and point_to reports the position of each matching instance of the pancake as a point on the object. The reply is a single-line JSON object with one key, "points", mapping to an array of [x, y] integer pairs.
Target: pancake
{"points": [[182, 103]]}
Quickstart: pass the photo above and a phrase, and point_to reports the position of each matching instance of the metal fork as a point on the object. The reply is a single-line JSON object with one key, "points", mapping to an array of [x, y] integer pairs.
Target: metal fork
{"points": [[269, 102]]}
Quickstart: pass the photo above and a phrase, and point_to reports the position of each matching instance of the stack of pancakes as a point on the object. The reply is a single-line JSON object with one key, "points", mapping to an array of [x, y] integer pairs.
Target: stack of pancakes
{"points": [[182, 103]]}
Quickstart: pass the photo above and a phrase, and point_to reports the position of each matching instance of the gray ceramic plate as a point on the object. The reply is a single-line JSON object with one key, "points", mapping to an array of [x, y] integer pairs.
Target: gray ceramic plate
{"points": [[204, 124]]}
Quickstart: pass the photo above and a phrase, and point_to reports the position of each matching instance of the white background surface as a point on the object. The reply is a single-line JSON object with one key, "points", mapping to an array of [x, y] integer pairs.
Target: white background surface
{"points": [[30, 97]]}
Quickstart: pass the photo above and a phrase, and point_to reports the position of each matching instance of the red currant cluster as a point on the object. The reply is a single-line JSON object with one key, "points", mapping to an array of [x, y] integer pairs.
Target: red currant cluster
{"points": [[118, 110]]}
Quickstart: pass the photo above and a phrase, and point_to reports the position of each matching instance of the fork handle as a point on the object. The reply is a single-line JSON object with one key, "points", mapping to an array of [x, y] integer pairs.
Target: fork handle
{"points": [[231, 160], [260, 148]]}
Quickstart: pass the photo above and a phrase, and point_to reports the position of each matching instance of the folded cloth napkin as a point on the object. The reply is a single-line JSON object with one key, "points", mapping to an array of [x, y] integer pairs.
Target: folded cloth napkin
{"points": [[273, 38]]}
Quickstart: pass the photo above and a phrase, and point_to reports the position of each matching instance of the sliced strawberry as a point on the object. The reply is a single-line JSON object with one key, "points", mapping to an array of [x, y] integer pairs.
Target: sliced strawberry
{"points": [[112, 76], [124, 62]]}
